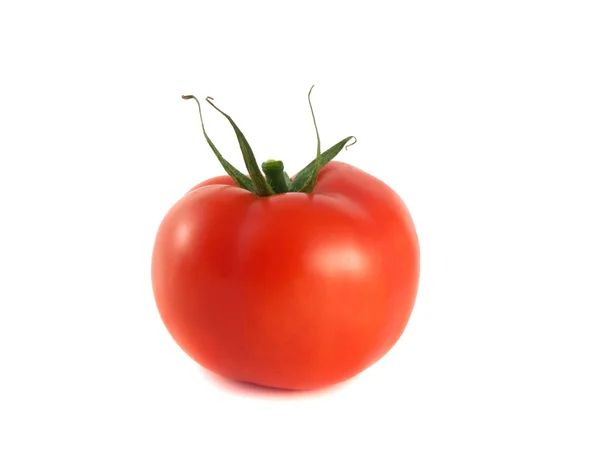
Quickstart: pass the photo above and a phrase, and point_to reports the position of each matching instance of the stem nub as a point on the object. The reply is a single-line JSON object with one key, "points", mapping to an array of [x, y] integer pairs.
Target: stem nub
{"points": [[276, 176]]}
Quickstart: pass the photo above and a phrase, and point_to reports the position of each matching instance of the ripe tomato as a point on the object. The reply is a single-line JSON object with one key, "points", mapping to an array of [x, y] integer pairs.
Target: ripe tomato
{"points": [[296, 290]]}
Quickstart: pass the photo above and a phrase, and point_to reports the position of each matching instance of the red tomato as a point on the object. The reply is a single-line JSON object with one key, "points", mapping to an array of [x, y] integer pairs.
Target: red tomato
{"points": [[296, 290]]}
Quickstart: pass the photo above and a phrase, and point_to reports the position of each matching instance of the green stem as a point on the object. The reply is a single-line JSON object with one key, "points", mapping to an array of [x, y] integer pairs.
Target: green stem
{"points": [[275, 176]]}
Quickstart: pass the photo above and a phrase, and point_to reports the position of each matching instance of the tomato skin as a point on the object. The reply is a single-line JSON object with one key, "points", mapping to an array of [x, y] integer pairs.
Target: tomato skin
{"points": [[294, 291]]}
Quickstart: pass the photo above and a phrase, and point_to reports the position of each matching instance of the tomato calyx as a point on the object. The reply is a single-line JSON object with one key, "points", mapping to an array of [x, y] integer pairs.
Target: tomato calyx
{"points": [[275, 180]]}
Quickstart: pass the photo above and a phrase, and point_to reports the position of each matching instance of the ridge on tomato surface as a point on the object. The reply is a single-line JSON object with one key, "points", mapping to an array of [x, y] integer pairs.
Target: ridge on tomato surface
{"points": [[289, 282]]}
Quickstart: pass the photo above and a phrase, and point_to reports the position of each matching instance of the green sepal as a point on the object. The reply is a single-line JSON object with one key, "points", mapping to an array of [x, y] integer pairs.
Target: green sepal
{"points": [[238, 177], [312, 180], [288, 182], [304, 176], [261, 187]]}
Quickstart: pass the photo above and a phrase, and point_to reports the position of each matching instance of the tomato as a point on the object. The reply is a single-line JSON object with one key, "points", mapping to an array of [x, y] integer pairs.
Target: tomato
{"points": [[293, 290]]}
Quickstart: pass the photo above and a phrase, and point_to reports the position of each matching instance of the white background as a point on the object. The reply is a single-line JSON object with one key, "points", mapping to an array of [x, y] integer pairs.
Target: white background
{"points": [[484, 116]]}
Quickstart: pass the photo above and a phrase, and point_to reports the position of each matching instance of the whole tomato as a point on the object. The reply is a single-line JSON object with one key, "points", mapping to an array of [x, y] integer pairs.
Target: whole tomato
{"points": [[290, 283]]}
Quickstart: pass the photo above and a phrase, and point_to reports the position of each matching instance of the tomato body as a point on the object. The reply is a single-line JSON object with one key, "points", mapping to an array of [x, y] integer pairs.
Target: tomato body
{"points": [[295, 291]]}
